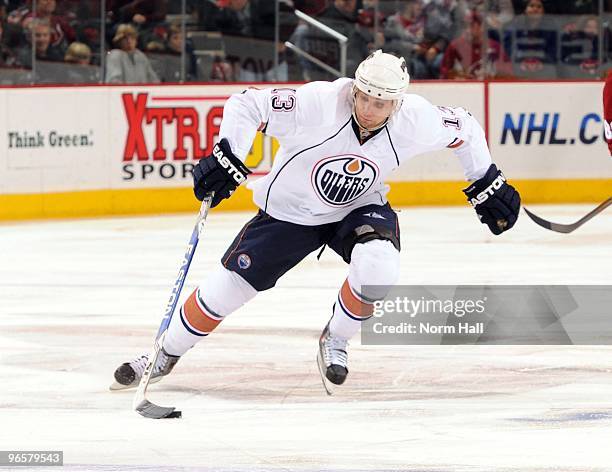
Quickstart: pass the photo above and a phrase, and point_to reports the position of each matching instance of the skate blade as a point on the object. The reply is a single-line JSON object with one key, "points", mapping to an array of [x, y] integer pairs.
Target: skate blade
{"points": [[116, 386], [329, 386]]}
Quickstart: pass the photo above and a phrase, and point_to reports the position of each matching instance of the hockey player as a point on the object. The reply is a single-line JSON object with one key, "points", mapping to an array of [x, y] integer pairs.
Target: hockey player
{"points": [[607, 106], [339, 140]]}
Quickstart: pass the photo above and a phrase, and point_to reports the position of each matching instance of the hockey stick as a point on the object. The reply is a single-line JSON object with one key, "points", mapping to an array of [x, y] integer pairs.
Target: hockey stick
{"points": [[561, 228], [141, 404]]}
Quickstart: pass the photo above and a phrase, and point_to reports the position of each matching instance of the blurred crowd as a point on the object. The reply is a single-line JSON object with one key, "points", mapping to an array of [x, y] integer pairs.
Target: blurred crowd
{"points": [[236, 40], [469, 39]]}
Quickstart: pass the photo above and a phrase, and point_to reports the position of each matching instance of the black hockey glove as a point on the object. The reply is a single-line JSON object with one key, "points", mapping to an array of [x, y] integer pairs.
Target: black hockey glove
{"points": [[221, 172], [496, 202]]}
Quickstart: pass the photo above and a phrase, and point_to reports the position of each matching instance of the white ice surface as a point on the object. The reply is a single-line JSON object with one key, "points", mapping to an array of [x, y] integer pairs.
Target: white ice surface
{"points": [[77, 298]]}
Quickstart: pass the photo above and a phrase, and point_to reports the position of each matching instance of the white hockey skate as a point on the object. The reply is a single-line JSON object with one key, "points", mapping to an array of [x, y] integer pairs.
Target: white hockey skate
{"points": [[128, 374], [332, 360]]}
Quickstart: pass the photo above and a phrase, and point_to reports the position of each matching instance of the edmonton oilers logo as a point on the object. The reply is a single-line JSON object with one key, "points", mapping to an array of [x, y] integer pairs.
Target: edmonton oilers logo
{"points": [[244, 261], [340, 180]]}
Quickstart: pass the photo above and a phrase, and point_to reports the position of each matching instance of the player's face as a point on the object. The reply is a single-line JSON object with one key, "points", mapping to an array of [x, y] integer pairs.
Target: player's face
{"points": [[371, 111]]}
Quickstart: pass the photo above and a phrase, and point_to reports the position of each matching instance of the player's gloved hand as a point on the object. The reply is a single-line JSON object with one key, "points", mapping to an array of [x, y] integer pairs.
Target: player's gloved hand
{"points": [[496, 202], [221, 172]]}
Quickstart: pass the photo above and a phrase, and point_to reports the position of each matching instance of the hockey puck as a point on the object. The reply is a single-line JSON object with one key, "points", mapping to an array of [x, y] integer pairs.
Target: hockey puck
{"points": [[175, 414]]}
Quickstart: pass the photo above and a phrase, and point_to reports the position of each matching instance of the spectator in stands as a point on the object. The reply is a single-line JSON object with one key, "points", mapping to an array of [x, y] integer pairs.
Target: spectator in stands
{"points": [[127, 64], [12, 34], [566, 7], [147, 15], [174, 46], [87, 22], [534, 12], [140, 12], [174, 40], [341, 16], [531, 42], [7, 56], [62, 33], [519, 6], [310, 7], [473, 56], [442, 18], [78, 53], [497, 13], [68, 9], [221, 71], [233, 17], [40, 30], [206, 13], [581, 7], [375, 5], [78, 68], [580, 49], [405, 33], [251, 18], [365, 39], [248, 30], [17, 14], [13, 4]]}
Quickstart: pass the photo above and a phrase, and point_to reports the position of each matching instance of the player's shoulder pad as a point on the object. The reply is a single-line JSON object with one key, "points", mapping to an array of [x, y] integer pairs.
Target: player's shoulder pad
{"points": [[418, 115], [322, 90], [321, 102], [414, 107], [414, 101]]}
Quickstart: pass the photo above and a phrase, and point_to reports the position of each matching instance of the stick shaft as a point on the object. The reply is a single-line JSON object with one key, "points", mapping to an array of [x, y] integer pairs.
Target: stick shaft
{"points": [[140, 396], [186, 263]]}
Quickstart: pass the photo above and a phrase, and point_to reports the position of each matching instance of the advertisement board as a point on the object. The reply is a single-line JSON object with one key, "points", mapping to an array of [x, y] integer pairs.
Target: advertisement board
{"points": [[548, 130], [95, 150]]}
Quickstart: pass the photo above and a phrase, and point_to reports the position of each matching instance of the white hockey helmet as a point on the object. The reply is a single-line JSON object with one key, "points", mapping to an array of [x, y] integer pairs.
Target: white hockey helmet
{"points": [[382, 75]]}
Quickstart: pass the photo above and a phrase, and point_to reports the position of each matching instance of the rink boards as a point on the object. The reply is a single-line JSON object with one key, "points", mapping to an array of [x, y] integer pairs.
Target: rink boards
{"points": [[96, 150]]}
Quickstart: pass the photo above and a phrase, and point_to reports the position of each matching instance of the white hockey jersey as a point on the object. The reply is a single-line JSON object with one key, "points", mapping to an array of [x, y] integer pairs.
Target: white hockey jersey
{"points": [[321, 171]]}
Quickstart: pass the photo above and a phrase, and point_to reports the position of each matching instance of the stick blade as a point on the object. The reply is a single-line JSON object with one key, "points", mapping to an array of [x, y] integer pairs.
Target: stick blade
{"points": [[150, 410], [559, 228]]}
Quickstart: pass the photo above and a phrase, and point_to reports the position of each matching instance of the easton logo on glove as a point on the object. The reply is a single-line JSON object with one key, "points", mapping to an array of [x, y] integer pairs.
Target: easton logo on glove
{"points": [[497, 203], [225, 162], [220, 173], [487, 192]]}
